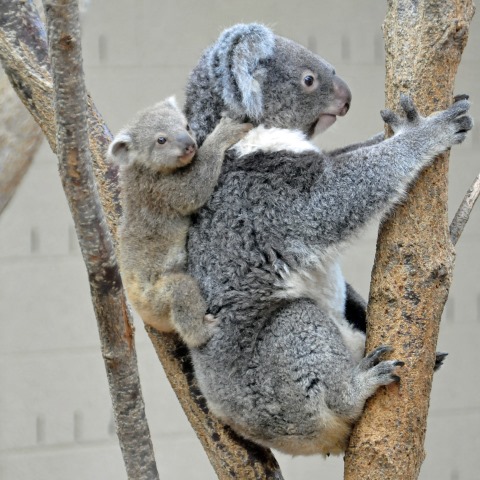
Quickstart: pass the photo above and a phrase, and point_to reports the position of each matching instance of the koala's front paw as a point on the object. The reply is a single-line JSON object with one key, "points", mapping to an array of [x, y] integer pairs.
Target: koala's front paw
{"points": [[398, 123], [453, 123], [380, 372], [231, 131], [443, 129]]}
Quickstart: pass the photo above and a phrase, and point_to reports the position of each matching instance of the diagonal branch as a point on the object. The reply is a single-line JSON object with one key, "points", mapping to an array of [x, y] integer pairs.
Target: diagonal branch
{"points": [[463, 212], [20, 138], [23, 52], [108, 298]]}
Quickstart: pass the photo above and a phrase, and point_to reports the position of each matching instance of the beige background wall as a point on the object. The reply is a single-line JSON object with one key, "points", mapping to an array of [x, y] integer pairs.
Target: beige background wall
{"points": [[55, 415]]}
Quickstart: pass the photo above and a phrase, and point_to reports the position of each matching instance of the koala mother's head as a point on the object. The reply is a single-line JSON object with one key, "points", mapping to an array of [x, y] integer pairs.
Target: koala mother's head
{"points": [[259, 77]]}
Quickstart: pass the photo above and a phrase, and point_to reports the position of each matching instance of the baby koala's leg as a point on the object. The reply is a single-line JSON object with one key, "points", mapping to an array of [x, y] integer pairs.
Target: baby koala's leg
{"points": [[187, 308]]}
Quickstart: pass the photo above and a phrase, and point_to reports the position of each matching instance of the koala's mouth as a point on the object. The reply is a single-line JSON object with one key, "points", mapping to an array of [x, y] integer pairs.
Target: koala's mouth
{"points": [[186, 159], [324, 121]]}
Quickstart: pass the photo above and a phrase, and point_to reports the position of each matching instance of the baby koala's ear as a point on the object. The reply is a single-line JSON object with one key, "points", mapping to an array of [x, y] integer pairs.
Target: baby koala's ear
{"points": [[119, 149], [172, 102], [236, 61]]}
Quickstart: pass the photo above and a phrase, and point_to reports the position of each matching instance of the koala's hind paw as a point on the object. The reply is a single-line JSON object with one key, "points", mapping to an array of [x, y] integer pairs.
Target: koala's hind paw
{"points": [[380, 372], [372, 359]]}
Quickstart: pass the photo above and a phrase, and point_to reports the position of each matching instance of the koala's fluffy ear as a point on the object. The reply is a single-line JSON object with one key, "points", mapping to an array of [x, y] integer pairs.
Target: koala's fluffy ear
{"points": [[118, 151], [235, 61]]}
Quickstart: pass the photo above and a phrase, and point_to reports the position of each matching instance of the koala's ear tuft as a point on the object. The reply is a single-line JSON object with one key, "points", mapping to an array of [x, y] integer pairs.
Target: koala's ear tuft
{"points": [[236, 62], [119, 149]]}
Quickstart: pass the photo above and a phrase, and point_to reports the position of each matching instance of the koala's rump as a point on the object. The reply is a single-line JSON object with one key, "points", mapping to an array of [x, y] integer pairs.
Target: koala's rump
{"points": [[275, 389]]}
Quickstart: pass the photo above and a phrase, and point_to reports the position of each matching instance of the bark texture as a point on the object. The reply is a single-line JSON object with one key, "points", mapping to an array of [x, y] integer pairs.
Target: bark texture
{"points": [[108, 298], [415, 257], [24, 56], [20, 138]]}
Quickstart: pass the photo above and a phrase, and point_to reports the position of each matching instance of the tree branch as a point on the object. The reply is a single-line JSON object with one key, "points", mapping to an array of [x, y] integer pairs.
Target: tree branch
{"points": [[109, 302], [23, 53], [20, 138], [413, 266], [463, 212]]}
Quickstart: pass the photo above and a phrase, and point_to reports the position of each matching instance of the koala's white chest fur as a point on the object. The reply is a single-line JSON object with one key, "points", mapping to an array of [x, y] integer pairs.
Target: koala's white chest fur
{"points": [[273, 140]]}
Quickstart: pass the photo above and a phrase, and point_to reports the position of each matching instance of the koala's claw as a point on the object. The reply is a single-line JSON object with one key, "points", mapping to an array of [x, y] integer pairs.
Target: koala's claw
{"points": [[380, 372], [462, 96], [460, 107], [373, 357], [384, 372], [439, 359], [409, 108]]}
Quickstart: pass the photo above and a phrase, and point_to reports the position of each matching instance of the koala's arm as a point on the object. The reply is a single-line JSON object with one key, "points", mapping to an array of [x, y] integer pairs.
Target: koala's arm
{"points": [[379, 137], [198, 181], [355, 186]]}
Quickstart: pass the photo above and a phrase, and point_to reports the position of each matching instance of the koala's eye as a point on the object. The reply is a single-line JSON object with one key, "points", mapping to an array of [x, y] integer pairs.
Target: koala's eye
{"points": [[161, 140], [308, 80]]}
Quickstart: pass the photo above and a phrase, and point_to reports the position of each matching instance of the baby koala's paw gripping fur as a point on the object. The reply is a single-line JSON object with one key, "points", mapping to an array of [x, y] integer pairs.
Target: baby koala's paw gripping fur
{"points": [[229, 131], [444, 128], [378, 372]]}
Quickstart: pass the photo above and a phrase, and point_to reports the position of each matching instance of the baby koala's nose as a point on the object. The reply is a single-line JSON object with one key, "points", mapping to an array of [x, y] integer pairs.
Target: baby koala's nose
{"points": [[190, 148], [187, 142]]}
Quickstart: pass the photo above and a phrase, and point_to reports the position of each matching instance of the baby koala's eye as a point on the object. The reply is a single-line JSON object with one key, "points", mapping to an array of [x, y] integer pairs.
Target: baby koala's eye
{"points": [[161, 140], [308, 80]]}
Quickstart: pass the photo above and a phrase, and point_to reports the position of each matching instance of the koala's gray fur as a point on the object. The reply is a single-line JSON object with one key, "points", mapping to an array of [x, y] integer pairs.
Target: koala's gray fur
{"points": [[163, 181], [285, 367]]}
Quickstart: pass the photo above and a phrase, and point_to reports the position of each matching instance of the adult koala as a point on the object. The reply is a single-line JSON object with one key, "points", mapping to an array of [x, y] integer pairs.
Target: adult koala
{"points": [[285, 367]]}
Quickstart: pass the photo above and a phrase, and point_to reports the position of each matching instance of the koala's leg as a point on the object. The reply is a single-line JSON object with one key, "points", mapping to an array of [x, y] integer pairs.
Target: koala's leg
{"points": [[186, 306], [367, 376]]}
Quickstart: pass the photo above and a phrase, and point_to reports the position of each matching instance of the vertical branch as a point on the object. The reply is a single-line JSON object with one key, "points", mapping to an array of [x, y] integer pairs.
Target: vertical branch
{"points": [[76, 172], [414, 260]]}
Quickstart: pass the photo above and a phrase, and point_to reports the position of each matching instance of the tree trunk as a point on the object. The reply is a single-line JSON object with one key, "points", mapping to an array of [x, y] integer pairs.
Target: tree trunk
{"points": [[20, 138], [414, 260], [75, 165]]}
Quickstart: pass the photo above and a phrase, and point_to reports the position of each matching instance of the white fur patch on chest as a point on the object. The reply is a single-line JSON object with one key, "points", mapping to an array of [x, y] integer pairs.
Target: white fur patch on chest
{"points": [[273, 140]]}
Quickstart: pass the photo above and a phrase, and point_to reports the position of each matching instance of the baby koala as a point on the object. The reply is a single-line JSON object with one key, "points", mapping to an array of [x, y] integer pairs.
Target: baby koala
{"points": [[163, 180]]}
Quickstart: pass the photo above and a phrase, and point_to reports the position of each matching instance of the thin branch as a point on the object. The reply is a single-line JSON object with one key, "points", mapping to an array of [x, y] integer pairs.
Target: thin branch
{"points": [[463, 212], [109, 302], [20, 138]]}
